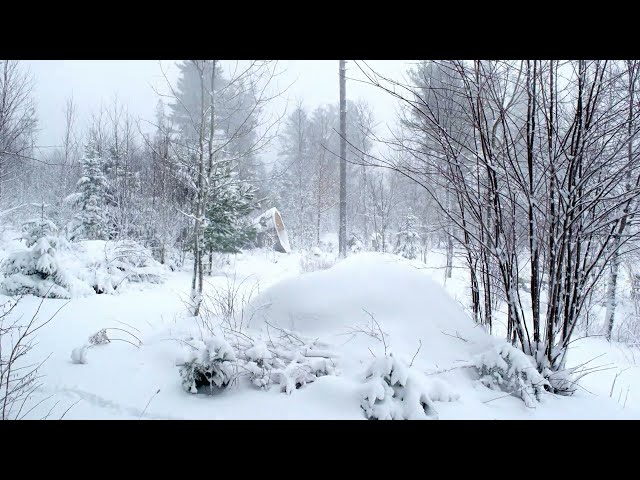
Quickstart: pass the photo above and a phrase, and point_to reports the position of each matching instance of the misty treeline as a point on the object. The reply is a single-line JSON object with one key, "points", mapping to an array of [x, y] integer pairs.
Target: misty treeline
{"points": [[525, 174]]}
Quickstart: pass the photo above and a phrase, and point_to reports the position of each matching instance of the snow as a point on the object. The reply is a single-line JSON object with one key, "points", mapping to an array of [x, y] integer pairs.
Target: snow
{"points": [[365, 314]]}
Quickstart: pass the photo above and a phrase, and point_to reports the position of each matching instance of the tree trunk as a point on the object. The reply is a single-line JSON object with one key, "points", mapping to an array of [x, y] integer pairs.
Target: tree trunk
{"points": [[342, 233]]}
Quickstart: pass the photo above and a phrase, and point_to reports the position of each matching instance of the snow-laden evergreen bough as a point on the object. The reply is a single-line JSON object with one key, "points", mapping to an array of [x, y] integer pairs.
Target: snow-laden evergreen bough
{"points": [[209, 364], [37, 270], [408, 239], [507, 369], [90, 222], [395, 391], [218, 363], [108, 265]]}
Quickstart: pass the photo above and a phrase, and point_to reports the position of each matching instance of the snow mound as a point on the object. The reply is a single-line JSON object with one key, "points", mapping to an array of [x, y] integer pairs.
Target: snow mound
{"points": [[376, 295]]}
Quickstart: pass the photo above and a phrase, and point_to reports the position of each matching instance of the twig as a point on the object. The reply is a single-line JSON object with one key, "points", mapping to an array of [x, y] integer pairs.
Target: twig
{"points": [[380, 329], [125, 331], [457, 335], [145, 408], [123, 340], [131, 326], [613, 384], [416, 354], [67, 410]]}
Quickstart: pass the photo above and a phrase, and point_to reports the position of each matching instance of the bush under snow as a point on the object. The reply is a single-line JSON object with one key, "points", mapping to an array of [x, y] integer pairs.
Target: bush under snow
{"points": [[394, 391], [209, 364], [217, 363], [38, 269], [316, 260], [106, 265], [52, 267], [508, 369]]}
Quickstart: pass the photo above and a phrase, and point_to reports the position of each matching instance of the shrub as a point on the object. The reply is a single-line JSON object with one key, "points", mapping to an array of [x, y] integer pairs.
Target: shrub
{"points": [[209, 364], [393, 391], [508, 369]]}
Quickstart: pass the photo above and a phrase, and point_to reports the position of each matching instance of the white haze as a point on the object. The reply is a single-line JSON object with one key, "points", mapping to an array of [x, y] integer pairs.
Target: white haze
{"points": [[136, 84]]}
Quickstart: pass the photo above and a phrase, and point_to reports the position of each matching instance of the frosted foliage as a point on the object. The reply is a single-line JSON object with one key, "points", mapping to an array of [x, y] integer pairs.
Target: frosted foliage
{"points": [[35, 229], [37, 269], [54, 268], [287, 366], [508, 369], [408, 239], [208, 364], [561, 381], [301, 372], [105, 266], [316, 260], [91, 220], [99, 338], [394, 391]]}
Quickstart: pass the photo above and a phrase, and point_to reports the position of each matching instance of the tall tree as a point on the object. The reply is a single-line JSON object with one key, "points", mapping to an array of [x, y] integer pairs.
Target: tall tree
{"points": [[91, 221], [342, 232], [17, 123]]}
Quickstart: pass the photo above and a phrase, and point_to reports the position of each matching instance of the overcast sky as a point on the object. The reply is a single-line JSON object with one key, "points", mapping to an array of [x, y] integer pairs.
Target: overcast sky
{"points": [[133, 81]]}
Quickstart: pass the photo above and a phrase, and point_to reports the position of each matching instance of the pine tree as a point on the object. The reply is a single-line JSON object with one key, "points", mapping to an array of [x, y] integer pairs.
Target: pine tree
{"points": [[227, 227], [408, 239], [36, 270], [91, 222]]}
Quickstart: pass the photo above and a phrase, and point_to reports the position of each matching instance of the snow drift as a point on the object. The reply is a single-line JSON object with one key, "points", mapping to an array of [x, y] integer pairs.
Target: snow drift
{"points": [[381, 295]]}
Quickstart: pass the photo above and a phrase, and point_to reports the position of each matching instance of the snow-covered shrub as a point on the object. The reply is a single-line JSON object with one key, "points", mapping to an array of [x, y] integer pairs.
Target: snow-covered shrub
{"points": [[562, 381], [107, 265], [36, 228], [301, 371], [99, 338], [316, 260], [286, 364], [259, 364], [408, 239], [393, 391], [79, 355], [37, 270], [354, 244], [209, 364], [509, 370]]}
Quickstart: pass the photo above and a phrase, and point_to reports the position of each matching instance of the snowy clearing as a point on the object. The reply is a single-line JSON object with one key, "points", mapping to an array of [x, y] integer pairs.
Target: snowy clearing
{"points": [[352, 312]]}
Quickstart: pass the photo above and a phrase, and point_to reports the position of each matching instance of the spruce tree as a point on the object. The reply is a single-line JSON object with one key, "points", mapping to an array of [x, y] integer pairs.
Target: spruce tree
{"points": [[91, 222], [228, 228], [36, 270], [408, 239]]}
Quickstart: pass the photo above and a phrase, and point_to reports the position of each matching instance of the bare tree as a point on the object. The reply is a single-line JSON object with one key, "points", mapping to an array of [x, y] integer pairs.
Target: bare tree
{"points": [[342, 231], [17, 121], [535, 160]]}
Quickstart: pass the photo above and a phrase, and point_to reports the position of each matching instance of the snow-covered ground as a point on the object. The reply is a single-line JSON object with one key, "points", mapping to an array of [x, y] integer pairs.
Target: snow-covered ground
{"points": [[356, 310]]}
